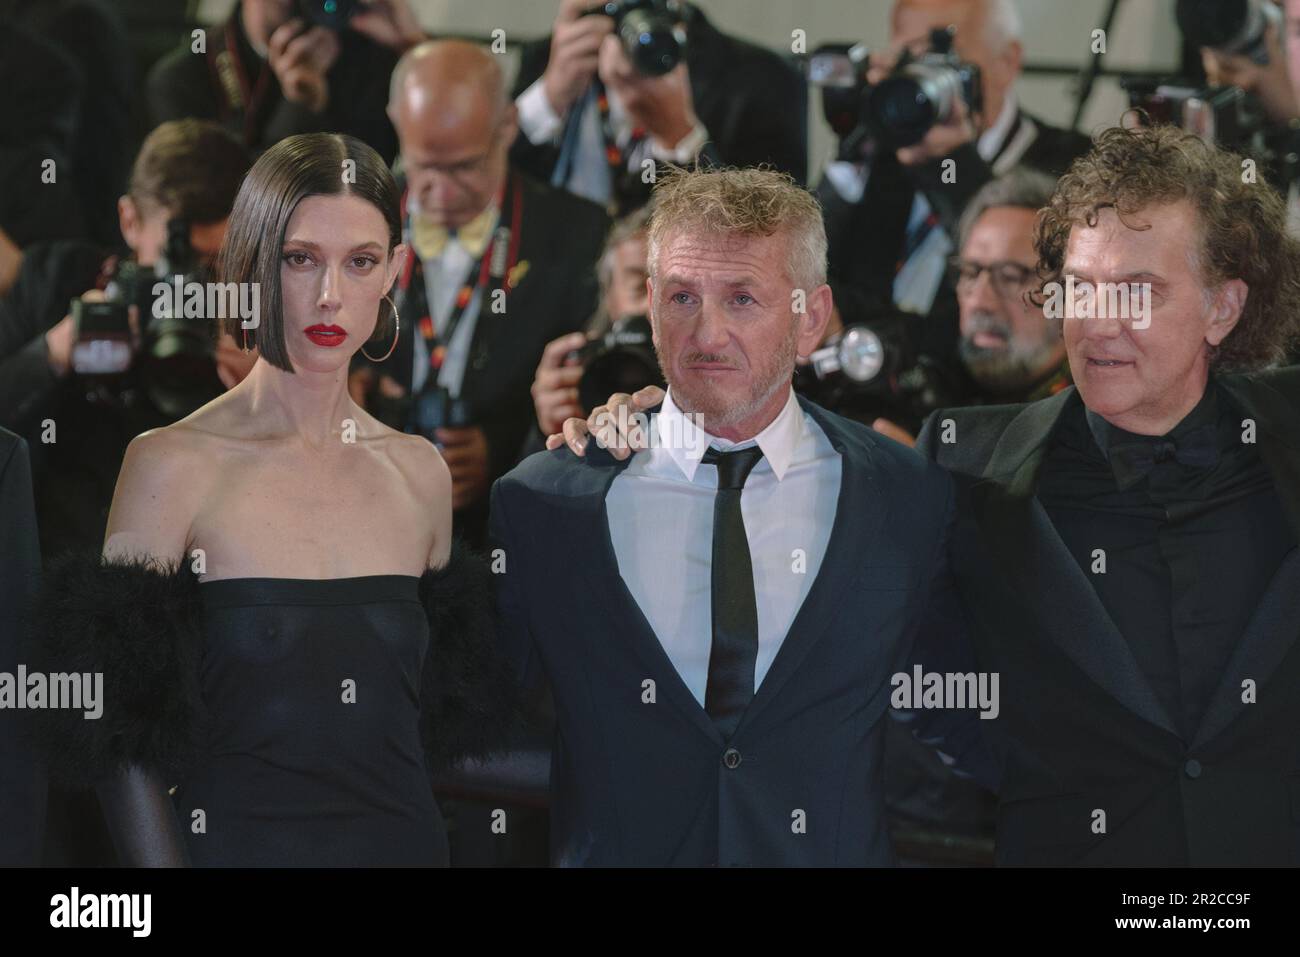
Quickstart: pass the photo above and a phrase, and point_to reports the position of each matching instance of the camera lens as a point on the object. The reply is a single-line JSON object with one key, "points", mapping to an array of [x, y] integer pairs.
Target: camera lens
{"points": [[652, 42], [903, 107]]}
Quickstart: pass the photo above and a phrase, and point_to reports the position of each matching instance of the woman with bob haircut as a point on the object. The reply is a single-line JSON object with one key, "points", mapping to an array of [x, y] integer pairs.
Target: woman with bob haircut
{"points": [[290, 642]]}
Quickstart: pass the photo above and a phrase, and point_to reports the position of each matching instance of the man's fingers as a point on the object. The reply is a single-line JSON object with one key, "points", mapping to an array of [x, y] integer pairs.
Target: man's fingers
{"points": [[648, 397], [280, 38], [575, 434], [556, 350]]}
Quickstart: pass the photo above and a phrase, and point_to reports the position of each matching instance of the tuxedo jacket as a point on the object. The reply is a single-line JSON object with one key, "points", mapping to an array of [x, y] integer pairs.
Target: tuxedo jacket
{"points": [[1081, 730], [752, 102], [649, 780]]}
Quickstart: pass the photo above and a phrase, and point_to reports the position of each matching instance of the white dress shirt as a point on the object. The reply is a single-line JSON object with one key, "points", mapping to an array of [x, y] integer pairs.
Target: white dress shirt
{"points": [[661, 523], [443, 276], [589, 173]]}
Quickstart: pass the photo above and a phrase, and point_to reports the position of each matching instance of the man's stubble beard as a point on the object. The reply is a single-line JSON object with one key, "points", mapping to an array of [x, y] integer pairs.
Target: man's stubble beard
{"points": [[770, 377], [1010, 370]]}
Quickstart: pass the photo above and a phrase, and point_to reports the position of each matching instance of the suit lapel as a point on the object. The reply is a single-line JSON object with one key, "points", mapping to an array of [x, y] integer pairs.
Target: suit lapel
{"points": [[1030, 551], [857, 517], [619, 606], [1273, 628]]}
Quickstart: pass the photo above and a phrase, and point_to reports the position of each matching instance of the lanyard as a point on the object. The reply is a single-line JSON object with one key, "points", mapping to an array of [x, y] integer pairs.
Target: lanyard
{"points": [[494, 268]]}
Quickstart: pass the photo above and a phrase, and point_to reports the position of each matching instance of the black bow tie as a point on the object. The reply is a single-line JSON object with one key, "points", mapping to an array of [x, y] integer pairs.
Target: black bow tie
{"points": [[1132, 459]]}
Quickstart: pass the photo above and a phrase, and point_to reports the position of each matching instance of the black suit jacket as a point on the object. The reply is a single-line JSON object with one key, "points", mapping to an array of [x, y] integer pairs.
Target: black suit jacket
{"points": [[650, 783], [22, 779], [1081, 730], [184, 84], [752, 102]]}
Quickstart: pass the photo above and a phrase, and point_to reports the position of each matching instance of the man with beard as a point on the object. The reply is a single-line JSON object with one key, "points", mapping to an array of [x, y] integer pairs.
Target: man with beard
{"points": [[719, 619], [1010, 350]]}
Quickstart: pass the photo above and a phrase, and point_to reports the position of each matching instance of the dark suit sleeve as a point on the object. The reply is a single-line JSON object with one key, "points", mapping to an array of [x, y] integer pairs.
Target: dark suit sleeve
{"points": [[943, 645], [950, 198], [514, 634], [536, 159], [925, 441], [22, 783]]}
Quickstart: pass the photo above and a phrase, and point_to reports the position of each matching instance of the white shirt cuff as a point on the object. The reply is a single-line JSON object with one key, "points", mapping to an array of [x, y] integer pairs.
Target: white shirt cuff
{"points": [[537, 118], [687, 149]]}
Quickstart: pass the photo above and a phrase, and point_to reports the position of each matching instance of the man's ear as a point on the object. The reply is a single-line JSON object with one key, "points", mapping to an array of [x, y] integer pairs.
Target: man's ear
{"points": [[128, 220], [1229, 303], [812, 321]]}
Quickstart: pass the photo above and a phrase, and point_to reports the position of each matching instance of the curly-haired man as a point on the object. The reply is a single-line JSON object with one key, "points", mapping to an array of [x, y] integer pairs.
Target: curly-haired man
{"points": [[1127, 548]]}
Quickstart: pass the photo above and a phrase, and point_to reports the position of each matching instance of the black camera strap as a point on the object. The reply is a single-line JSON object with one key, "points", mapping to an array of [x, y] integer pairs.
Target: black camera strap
{"points": [[238, 98]]}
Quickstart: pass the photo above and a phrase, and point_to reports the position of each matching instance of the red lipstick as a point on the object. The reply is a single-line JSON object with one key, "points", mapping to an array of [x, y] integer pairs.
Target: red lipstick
{"points": [[326, 335]]}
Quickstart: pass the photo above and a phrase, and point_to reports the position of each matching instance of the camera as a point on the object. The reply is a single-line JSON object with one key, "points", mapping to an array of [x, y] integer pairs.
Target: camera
{"points": [[332, 14], [1230, 27], [877, 369], [1226, 116], [920, 92], [622, 360], [175, 365], [650, 31]]}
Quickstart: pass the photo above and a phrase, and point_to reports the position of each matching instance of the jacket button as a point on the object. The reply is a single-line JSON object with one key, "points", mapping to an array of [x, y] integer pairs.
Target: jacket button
{"points": [[731, 758], [1192, 768]]}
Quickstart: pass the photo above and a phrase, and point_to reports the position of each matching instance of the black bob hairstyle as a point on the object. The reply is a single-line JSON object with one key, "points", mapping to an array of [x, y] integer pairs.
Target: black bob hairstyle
{"points": [[309, 164]]}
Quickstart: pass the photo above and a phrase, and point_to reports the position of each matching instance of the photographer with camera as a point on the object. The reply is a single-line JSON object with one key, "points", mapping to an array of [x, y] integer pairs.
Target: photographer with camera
{"points": [[622, 85], [922, 131], [77, 424], [279, 67], [609, 356], [502, 265], [186, 174]]}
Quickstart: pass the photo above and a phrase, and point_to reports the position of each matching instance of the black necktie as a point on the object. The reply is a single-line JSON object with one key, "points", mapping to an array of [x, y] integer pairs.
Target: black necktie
{"points": [[735, 612], [1130, 460]]}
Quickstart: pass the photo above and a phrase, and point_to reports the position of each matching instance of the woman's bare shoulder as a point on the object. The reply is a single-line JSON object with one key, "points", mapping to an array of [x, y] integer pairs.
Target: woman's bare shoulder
{"points": [[164, 476]]}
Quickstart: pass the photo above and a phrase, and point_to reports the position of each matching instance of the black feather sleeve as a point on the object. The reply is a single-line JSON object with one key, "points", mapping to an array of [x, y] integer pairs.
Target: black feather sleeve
{"points": [[136, 623], [469, 698]]}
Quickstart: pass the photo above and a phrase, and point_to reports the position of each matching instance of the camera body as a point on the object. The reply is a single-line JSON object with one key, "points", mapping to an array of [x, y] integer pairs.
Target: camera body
{"points": [[1225, 116], [920, 92], [622, 360], [175, 362], [650, 31]]}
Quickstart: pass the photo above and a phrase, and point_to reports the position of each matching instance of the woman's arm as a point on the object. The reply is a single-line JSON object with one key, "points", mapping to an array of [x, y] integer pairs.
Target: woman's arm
{"points": [[130, 616]]}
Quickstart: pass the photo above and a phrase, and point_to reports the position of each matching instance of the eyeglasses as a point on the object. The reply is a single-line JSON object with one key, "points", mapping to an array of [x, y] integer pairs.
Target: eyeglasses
{"points": [[1009, 277]]}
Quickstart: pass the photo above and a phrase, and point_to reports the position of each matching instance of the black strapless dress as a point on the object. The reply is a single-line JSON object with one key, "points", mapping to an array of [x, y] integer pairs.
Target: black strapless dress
{"points": [[313, 687], [298, 720]]}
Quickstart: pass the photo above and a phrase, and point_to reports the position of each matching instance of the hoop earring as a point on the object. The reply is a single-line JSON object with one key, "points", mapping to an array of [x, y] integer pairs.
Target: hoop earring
{"points": [[397, 329]]}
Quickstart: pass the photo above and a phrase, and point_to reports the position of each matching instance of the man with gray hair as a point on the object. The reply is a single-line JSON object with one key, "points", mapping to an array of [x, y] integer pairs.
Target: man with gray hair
{"points": [[1010, 349], [720, 619]]}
